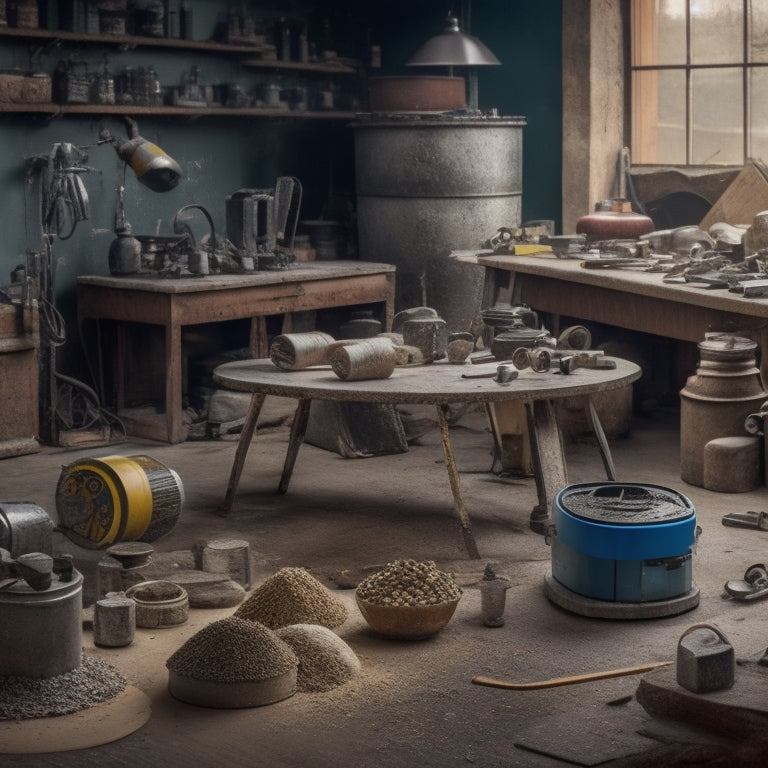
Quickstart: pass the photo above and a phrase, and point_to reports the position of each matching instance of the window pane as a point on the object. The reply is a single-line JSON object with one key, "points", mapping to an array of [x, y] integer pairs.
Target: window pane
{"points": [[658, 32], [758, 31], [716, 117], [658, 117], [758, 119], [717, 31]]}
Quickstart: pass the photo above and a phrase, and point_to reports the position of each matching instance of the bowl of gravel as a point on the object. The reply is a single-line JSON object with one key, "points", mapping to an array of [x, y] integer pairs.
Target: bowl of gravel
{"points": [[408, 600]]}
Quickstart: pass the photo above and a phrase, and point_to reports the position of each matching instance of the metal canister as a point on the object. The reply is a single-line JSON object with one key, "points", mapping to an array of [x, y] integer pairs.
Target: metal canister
{"points": [[41, 632], [100, 502], [717, 399]]}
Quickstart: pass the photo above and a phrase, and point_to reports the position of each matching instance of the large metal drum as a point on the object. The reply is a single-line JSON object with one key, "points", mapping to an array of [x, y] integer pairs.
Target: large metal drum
{"points": [[428, 185]]}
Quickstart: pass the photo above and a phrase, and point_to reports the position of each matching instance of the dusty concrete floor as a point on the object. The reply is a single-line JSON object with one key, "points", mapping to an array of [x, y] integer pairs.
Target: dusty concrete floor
{"points": [[414, 702]]}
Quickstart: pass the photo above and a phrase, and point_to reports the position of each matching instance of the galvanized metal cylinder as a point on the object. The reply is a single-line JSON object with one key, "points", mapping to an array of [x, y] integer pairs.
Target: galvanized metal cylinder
{"points": [[41, 632], [25, 527], [717, 399], [427, 186]]}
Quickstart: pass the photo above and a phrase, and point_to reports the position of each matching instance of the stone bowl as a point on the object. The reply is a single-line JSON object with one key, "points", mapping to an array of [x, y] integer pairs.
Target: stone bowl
{"points": [[232, 695], [407, 622], [159, 603]]}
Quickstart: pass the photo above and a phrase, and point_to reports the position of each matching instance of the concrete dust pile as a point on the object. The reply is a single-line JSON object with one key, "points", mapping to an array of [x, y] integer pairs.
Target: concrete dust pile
{"points": [[233, 650], [91, 683], [325, 660], [293, 596]]}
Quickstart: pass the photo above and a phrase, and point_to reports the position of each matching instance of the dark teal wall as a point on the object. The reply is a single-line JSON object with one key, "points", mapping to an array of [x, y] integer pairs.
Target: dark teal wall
{"points": [[221, 155], [525, 35]]}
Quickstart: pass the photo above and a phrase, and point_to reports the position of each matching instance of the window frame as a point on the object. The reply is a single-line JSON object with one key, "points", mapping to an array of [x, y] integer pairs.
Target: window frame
{"points": [[644, 131]]}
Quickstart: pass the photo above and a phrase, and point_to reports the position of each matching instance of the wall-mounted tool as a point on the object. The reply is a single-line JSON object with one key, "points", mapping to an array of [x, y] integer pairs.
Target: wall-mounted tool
{"points": [[153, 167], [261, 223]]}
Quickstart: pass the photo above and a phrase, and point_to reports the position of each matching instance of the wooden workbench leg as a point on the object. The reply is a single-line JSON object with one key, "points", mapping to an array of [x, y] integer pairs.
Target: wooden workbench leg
{"points": [[173, 383], [453, 476], [548, 460], [243, 444], [602, 442], [259, 339], [298, 430]]}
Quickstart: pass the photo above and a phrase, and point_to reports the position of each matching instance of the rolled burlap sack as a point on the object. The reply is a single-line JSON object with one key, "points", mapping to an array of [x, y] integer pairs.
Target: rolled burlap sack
{"points": [[364, 360], [294, 351], [330, 350]]}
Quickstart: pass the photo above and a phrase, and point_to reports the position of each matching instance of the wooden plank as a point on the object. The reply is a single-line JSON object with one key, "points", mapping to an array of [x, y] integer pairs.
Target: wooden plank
{"points": [[510, 429], [739, 713], [626, 310], [745, 196]]}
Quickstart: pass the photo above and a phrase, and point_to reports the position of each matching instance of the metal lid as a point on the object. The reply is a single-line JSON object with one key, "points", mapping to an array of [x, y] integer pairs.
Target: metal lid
{"points": [[724, 346], [620, 504]]}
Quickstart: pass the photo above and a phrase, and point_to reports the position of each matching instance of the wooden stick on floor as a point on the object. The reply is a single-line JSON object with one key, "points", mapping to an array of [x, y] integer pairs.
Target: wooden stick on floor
{"points": [[556, 682]]}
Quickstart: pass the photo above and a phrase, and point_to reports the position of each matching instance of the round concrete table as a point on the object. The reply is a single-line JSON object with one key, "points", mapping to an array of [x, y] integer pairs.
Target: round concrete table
{"points": [[437, 384]]}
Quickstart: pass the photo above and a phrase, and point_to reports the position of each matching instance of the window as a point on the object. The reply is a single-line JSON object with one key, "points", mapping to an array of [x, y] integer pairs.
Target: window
{"points": [[699, 81]]}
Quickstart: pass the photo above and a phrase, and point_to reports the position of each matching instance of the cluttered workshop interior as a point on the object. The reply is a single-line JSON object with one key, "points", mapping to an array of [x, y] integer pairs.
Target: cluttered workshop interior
{"points": [[383, 383]]}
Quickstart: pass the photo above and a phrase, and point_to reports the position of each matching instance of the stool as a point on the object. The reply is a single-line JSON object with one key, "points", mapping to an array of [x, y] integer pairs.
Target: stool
{"points": [[733, 464]]}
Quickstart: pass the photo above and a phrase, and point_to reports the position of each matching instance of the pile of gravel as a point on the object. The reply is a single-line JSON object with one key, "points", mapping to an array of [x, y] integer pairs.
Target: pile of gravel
{"points": [[293, 596], [26, 698], [233, 650], [325, 660], [409, 582]]}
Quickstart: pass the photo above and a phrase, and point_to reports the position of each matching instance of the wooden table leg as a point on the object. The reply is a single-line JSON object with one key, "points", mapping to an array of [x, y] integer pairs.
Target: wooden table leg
{"points": [[173, 384], [548, 460], [243, 444], [605, 451], [453, 476], [298, 430]]}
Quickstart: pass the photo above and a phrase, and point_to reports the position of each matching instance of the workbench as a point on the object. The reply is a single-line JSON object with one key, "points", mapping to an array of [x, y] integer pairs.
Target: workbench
{"points": [[116, 359], [438, 384], [625, 298]]}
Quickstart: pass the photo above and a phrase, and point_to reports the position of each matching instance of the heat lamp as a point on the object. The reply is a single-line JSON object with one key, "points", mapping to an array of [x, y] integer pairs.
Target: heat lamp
{"points": [[153, 168], [454, 48]]}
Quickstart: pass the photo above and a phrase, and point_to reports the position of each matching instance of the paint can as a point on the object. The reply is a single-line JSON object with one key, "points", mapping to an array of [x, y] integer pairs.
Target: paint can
{"points": [[117, 498]]}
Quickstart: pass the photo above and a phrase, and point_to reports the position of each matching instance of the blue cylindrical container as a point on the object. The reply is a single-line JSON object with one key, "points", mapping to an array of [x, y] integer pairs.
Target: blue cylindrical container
{"points": [[623, 542]]}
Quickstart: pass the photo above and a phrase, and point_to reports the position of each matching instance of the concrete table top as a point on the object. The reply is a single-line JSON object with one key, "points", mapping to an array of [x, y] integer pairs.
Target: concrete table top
{"points": [[436, 383]]}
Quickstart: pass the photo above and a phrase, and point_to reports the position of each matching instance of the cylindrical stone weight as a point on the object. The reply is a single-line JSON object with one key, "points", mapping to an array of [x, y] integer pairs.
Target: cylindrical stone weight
{"points": [[231, 557], [733, 464], [114, 621]]}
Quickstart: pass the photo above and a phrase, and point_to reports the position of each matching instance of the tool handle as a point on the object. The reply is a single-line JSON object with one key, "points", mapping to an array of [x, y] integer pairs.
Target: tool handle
{"points": [[556, 682]]}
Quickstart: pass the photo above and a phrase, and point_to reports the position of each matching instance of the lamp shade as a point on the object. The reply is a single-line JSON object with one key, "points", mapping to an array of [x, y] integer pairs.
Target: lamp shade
{"points": [[453, 48], [152, 166]]}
